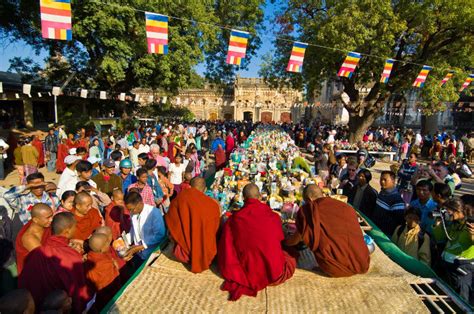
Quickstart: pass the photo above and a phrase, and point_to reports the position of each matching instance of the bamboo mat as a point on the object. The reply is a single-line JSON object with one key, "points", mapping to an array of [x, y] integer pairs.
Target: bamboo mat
{"points": [[167, 286]]}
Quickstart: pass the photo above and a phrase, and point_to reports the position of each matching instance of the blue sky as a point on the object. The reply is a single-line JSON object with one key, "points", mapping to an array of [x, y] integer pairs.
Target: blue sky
{"points": [[17, 49]]}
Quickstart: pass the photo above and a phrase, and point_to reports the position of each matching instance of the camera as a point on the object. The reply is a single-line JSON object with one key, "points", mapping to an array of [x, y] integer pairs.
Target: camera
{"points": [[440, 213]]}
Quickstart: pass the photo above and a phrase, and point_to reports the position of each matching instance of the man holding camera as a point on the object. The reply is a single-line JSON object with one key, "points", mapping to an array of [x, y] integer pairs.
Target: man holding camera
{"points": [[455, 226]]}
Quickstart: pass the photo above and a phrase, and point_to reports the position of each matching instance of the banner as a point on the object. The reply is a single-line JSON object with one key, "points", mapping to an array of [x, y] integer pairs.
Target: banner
{"points": [[448, 76], [387, 69], [295, 64], [237, 46], [56, 19], [349, 65], [156, 33], [467, 82], [420, 80]]}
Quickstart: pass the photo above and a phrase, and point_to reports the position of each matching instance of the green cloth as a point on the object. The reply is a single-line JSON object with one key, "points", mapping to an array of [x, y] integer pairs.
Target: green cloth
{"points": [[300, 163], [460, 247]]}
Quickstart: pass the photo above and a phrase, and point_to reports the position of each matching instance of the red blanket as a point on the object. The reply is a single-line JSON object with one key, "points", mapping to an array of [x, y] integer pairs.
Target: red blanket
{"points": [[21, 251], [331, 230], [193, 221], [250, 256]]}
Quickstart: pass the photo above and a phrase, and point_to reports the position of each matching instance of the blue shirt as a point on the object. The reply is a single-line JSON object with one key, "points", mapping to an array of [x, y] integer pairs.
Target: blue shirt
{"points": [[150, 226], [216, 142], [426, 222], [130, 179]]}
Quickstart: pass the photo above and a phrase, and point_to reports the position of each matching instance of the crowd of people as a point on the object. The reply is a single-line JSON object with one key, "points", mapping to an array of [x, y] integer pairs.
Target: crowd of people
{"points": [[250, 196]]}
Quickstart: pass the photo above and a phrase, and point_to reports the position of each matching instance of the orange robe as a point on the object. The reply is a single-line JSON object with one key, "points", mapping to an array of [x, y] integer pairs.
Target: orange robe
{"points": [[250, 255], [87, 224], [193, 221], [102, 276], [118, 219], [39, 147], [21, 251], [63, 152], [331, 230]]}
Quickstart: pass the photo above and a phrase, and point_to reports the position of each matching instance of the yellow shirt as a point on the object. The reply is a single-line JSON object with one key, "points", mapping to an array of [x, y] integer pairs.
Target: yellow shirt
{"points": [[408, 243], [29, 155]]}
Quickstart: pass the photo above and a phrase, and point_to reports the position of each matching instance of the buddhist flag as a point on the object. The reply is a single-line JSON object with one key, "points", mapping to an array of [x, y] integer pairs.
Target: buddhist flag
{"points": [[349, 65], [420, 80], [448, 76], [295, 64], [467, 82], [56, 19], [387, 69], [156, 33], [237, 46]]}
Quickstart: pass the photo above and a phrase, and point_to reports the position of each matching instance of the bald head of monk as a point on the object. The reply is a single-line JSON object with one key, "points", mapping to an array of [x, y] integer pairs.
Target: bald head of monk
{"points": [[188, 176], [17, 301], [42, 215], [105, 231], [82, 203], [312, 192], [64, 224], [198, 183], [57, 302], [98, 243], [251, 191]]}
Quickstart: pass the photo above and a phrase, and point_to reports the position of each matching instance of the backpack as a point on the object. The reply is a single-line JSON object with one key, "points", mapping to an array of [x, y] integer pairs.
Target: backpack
{"points": [[421, 235], [369, 161]]}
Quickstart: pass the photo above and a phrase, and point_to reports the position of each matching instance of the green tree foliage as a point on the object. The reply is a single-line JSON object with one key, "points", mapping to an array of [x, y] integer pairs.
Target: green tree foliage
{"points": [[109, 49], [438, 33]]}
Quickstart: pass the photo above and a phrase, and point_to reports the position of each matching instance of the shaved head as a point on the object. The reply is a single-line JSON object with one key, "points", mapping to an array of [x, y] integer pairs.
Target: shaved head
{"points": [[40, 208], [56, 301], [251, 191], [312, 192], [198, 183], [98, 242], [62, 222], [107, 231], [81, 198], [17, 301], [188, 176]]}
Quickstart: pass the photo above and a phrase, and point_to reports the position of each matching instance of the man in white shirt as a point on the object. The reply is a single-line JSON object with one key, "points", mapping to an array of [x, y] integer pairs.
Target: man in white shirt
{"points": [[69, 175], [143, 147], [148, 227], [133, 152]]}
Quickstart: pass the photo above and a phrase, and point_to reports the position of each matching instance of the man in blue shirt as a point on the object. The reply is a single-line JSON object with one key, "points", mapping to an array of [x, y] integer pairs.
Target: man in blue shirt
{"points": [[425, 204]]}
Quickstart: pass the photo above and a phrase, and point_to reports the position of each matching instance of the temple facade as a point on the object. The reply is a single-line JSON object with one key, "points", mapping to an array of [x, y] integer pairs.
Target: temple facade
{"points": [[249, 99]]}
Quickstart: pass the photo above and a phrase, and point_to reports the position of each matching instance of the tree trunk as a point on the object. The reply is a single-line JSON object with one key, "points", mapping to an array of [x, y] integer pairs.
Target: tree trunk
{"points": [[429, 124], [359, 125]]}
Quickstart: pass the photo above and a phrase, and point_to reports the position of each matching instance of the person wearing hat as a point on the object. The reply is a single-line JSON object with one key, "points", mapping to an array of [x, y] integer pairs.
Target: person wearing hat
{"points": [[95, 164], [126, 174], [69, 174], [107, 180]]}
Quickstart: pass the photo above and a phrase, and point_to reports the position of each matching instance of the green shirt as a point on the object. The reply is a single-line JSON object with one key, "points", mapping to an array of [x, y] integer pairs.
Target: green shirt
{"points": [[460, 247]]}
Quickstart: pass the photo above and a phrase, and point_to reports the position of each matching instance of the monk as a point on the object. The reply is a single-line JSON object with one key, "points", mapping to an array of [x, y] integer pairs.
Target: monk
{"points": [[117, 216], [331, 230], [250, 255], [102, 271], [87, 218], [193, 221], [63, 151], [55, 265], [57, 302], [34, 233], [107, 231], [39, 147], [17, 301]]}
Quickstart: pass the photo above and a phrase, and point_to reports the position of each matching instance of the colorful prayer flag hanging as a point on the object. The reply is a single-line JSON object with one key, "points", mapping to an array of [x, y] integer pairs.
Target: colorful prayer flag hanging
{"points": [[156, 33], [467, 82], [387, 69], [349, 65], [420, 80], [56, 19], [295, 64], [448, 76], [237, 46]]}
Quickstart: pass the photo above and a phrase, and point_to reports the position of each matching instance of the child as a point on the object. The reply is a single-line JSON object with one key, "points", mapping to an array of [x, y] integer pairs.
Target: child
{"points": [[186, 182], [101, 270], [411, 239], [67, 202], [117, 216]]}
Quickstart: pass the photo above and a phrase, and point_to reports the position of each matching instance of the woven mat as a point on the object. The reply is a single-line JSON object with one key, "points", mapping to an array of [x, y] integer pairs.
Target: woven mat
{"points": [[167, 286]]}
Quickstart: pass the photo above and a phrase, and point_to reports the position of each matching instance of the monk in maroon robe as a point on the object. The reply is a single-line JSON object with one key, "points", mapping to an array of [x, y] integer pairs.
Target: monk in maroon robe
{"points": [[34, 233], [250, 255], [39, 147], [331, 230], [220, 157], [63, 152], [55, 265]]}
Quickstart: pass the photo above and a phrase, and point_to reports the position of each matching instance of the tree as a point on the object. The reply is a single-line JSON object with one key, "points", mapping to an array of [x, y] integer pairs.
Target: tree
{"points": [[109, 49], [438, 33]]}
